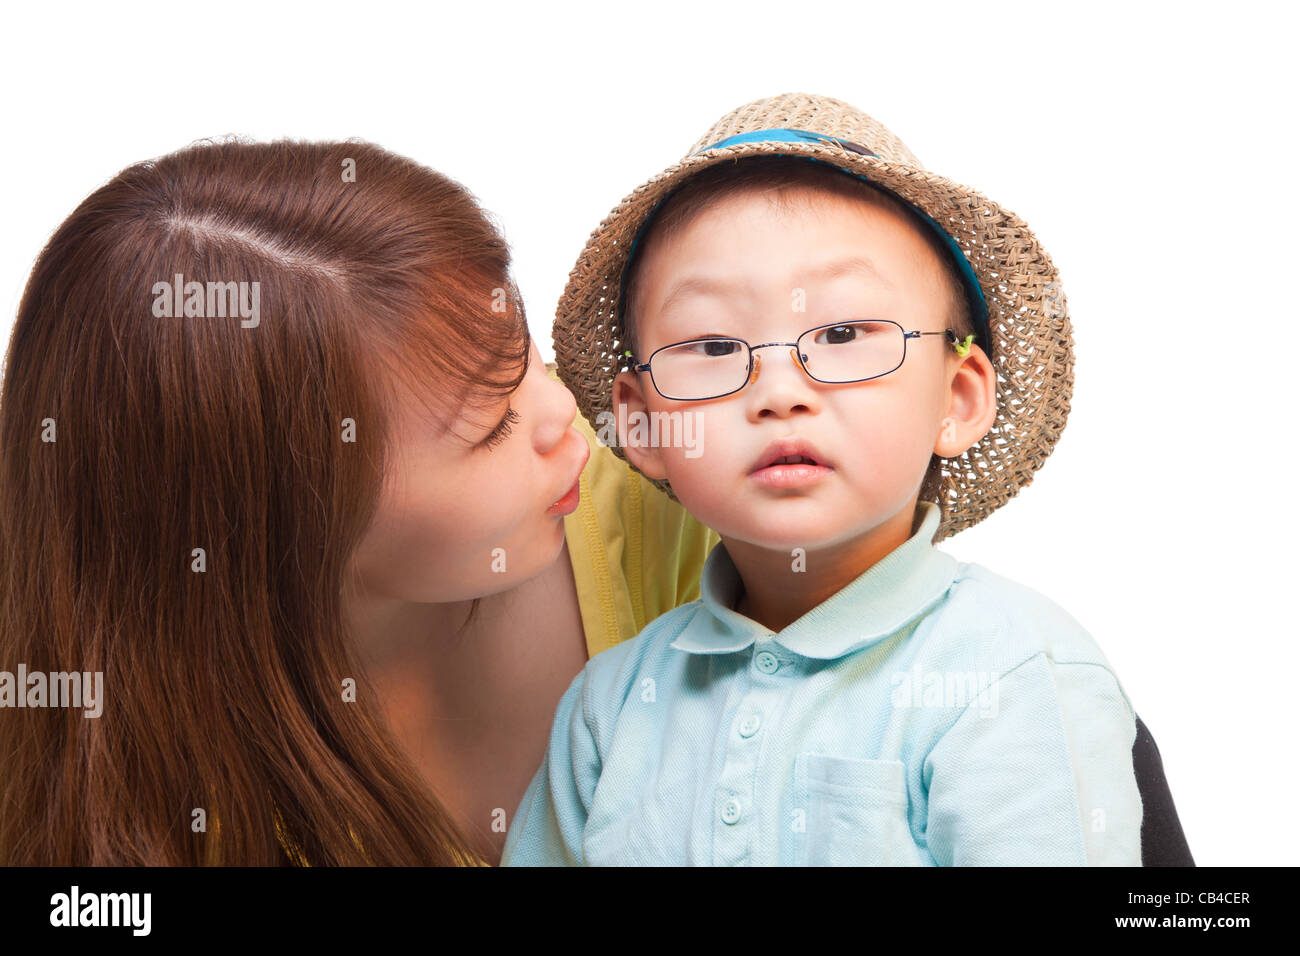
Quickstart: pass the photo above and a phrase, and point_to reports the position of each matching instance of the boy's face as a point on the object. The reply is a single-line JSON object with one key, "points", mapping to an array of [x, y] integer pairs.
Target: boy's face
{"points": [[876, 436]]}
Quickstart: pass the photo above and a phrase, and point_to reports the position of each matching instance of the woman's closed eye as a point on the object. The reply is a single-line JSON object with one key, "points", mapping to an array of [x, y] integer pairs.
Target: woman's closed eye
{"points": [[502, 431]]}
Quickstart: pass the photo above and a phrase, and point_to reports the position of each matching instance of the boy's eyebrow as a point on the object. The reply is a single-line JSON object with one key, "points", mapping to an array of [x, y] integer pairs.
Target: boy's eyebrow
{"points": [[853, 265], [703, 285]]}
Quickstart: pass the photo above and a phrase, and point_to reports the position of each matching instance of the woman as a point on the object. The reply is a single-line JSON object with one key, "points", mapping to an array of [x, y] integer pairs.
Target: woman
{"points": [[279, 461], [252, 476]]}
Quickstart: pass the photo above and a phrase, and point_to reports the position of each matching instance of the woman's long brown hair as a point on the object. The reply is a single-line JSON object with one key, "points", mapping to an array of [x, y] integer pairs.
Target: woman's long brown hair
{"points": [[223, 687]]}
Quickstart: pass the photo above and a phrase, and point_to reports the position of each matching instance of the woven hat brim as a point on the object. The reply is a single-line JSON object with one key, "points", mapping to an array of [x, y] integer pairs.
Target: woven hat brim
{"points": [[1029, 326]]}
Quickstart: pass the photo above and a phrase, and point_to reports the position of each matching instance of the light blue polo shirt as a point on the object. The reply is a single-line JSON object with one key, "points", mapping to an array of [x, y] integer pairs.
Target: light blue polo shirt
{"points": [[929, 713]]}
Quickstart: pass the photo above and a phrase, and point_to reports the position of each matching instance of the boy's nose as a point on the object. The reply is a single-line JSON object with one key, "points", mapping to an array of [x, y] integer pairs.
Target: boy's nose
{"points": [[781, 396]]}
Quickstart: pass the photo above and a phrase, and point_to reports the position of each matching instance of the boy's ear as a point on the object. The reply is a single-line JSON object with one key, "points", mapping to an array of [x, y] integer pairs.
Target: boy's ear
{"points": [[972, 404], [630, 407]]}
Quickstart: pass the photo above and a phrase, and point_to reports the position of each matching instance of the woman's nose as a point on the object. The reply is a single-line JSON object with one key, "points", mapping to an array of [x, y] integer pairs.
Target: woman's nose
{"points": [[561, 409]]}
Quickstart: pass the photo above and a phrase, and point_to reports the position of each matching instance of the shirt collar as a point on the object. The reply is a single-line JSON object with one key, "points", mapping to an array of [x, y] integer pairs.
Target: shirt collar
{"points": [[886, 596]]}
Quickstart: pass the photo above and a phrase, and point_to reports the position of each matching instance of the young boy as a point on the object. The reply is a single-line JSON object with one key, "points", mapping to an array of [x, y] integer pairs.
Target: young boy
{"points": [[875, 358]]}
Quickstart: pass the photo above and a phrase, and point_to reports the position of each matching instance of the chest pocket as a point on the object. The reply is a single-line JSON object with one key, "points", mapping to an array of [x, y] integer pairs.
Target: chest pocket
{"points": [[855, 812]]}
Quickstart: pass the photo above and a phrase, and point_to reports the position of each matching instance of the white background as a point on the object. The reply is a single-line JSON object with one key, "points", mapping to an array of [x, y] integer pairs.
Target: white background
{"points": [[1148, 146]]}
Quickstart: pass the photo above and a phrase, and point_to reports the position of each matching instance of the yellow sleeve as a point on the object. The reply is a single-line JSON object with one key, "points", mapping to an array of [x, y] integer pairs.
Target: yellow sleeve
{"points": [[636, 553]]}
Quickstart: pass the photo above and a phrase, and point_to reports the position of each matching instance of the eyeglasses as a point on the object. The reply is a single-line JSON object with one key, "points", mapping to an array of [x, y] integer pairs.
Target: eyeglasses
{"points": [[854, 351]]}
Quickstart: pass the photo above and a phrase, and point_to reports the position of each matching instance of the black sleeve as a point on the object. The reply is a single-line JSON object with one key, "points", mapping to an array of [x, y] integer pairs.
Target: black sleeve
{"points": [[1163, 843]]}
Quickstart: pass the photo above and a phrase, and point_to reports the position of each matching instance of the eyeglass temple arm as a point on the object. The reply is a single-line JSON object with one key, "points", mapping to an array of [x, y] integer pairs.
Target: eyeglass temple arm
{"points": [[962, 346]]}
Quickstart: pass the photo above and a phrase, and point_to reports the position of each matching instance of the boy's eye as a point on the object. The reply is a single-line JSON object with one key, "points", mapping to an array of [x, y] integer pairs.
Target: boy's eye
{"points": [[849, 332], [711, 348], [502, 431]]}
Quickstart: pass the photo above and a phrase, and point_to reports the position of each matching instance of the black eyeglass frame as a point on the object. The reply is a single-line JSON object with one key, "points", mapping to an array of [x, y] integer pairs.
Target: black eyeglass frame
{"points": [[798, 352]]}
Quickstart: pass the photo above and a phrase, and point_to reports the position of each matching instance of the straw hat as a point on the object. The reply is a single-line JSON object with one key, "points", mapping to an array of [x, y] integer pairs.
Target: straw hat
{"points": [[1018, 309]]}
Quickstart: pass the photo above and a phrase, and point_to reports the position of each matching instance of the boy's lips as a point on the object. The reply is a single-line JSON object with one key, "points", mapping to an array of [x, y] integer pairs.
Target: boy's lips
{"points": [[790, 463], [789, 447]]}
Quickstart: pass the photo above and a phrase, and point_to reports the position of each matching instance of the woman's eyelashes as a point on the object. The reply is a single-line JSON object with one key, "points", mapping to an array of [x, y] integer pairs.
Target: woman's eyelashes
{"points": [[502, 431]]}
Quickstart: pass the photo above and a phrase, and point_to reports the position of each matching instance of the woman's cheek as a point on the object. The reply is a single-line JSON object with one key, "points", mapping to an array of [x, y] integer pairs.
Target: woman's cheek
{"points": [[503, 527], [427, 542]]}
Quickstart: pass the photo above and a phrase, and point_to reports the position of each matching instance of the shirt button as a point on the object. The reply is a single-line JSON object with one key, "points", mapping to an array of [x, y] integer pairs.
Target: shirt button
{"points": [[749, 726], [731, 811], [766, 662]]}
